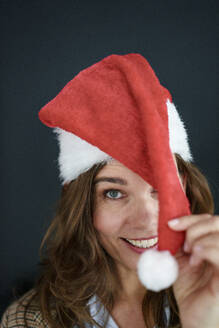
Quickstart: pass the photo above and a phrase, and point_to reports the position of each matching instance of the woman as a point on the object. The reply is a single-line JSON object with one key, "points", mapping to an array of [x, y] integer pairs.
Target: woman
{"points": [[92, 248]]}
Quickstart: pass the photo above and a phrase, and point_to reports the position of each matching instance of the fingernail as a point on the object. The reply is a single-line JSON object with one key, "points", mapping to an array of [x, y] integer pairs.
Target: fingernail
{"points": [[173, 223]]}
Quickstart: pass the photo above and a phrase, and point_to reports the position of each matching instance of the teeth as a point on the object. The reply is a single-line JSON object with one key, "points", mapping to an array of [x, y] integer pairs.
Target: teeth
{"points": [[143, 243]]}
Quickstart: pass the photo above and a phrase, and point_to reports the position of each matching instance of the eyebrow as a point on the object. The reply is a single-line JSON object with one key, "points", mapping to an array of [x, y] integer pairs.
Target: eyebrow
{"points": [[112, 180]]}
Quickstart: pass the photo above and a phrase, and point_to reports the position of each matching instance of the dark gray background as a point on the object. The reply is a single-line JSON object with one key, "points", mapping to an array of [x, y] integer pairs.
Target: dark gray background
{"points": [[43, 45]]}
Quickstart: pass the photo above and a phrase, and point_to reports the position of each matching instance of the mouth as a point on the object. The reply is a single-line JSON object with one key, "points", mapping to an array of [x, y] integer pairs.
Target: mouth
{"points": [[141, 245]]}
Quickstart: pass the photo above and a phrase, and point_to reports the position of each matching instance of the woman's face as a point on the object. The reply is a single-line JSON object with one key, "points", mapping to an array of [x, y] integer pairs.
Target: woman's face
{"points": [[126, 207]]}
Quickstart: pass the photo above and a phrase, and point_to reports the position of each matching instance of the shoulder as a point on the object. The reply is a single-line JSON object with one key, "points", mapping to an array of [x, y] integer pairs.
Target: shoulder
{"points": [[14, 316]]}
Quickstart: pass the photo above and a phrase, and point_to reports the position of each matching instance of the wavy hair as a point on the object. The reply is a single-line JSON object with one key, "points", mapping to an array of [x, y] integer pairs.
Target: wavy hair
{"points": [[75, 266]]}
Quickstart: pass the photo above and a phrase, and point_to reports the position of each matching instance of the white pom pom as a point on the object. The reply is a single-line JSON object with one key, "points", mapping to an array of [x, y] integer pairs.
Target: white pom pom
{"points": [[157, 270]]}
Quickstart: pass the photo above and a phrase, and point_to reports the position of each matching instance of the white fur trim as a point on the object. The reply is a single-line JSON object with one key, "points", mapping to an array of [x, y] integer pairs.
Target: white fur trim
{"points": [[178, 138], [157, 270], [77, 156]]}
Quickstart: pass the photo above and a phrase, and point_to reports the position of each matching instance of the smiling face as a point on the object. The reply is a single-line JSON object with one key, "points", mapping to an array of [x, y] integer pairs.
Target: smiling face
{"points": [[126, 207]]}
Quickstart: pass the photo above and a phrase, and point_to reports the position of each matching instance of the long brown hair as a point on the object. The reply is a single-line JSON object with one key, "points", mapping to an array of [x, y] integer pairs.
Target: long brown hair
{"points": [[75, 266]]}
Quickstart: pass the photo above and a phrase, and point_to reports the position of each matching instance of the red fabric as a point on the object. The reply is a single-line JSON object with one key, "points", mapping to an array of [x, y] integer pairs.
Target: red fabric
{"points": [[119, 106]]}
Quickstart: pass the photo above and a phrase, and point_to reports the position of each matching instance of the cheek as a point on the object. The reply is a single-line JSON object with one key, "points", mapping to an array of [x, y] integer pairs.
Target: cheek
{"points": [[106, 223]]}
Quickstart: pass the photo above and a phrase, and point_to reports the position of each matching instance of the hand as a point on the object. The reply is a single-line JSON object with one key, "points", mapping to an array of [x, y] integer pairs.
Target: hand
{"points": [[197, 288]]}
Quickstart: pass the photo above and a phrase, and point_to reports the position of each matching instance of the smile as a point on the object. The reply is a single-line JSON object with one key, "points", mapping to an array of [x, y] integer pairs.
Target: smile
{"points": [[142, 243]]}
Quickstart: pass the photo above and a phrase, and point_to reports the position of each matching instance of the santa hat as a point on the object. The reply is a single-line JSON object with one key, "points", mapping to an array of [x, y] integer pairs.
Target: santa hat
{"points": [[118, 109]]}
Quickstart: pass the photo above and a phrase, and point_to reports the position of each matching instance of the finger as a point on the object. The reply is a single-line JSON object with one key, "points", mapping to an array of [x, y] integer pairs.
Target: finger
{"points": [[206, 248], [208, 254], [186, 221], [200, 229]]}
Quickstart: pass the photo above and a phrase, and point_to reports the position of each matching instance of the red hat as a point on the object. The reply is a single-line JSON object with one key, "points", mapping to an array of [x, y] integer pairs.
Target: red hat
{"points": [[118, 109]]}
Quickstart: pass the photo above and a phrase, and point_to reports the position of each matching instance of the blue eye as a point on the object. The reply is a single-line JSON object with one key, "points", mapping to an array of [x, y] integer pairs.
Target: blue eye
{"points": [[113, 194]]}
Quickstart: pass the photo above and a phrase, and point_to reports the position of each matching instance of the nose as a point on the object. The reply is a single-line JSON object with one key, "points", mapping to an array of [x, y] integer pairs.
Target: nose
{"points": [[144, 214]]}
